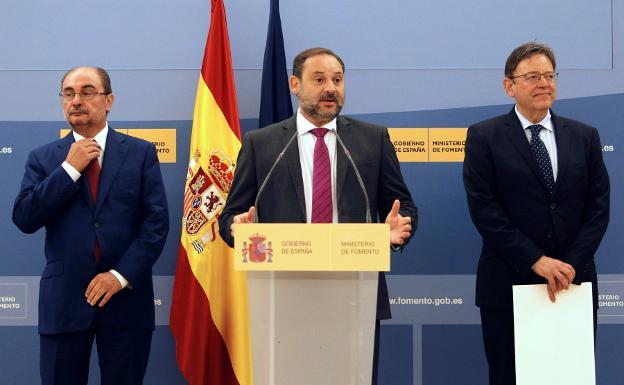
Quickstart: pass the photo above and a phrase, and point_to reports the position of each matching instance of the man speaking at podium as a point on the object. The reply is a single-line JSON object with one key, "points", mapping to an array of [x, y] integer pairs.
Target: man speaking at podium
{"points": [[315, 182]]}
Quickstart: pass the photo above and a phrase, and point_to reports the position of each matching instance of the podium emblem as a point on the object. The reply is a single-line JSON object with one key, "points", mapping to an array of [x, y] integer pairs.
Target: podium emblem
{"points": [[257, 249]]}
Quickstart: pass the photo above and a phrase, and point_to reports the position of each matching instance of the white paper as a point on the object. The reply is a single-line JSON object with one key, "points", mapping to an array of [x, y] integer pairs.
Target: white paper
{"points": [[554, 342]]}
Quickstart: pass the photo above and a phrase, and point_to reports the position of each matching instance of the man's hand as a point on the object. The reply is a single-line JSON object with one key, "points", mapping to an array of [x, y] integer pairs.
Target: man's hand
{"points": [[243, 218], [400, 226], [82, 152], [558, 274], [104, 286]]}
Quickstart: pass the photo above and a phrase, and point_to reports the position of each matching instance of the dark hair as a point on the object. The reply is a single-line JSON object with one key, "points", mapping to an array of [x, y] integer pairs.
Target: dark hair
{"points": [[102, 74], [526, 51], [304, 55]]}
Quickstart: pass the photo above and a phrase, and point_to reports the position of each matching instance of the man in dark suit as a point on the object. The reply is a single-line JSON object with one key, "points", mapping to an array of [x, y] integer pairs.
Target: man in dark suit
{"points": [[103, 234], [538, 193], [292, 194]]}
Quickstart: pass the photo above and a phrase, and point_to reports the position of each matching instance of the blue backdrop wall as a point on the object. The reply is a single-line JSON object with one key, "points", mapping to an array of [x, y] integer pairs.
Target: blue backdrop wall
{"points": [[410, 64]]}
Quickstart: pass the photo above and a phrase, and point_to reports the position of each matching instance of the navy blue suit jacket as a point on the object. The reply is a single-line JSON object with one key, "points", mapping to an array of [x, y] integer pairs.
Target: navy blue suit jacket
{"points": [[283, 199], [129, 220], [516, 216]]}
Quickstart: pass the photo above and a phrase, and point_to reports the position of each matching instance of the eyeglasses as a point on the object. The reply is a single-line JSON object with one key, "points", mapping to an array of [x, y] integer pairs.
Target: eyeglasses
{"points": [[69, 95], [534, 77]]}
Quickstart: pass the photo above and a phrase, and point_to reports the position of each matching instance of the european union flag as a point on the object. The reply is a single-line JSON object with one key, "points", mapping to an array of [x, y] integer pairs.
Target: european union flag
{"points": [[275, 103]]}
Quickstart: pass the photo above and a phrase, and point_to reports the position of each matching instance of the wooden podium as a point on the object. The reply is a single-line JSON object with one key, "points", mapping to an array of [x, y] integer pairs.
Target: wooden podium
{"points": [[312, 299]]}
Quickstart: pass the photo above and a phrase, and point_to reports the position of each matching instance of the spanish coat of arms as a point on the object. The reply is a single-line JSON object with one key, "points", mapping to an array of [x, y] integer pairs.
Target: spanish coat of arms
{"points": [[205, 194]]}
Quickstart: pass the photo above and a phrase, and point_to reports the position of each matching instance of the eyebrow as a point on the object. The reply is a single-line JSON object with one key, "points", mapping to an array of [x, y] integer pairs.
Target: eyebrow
{"points": [[87, 86], [323, 72]]}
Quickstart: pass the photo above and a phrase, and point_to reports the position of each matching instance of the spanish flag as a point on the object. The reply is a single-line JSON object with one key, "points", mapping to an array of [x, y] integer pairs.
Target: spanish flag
{"points": [[209, 317]]}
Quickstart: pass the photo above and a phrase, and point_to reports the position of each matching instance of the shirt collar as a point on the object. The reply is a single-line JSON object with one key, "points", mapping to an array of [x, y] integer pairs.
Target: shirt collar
{"points": [[546, 122], [304, 125], [100, 138]]}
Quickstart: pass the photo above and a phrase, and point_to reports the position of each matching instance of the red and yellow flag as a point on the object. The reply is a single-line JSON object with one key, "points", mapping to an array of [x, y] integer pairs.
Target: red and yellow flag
{"points": [[209, 317]]}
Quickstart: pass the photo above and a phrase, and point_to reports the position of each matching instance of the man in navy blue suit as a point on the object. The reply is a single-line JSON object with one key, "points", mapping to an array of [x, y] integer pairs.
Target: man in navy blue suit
{"points": [[100, 196], [538, 193]]}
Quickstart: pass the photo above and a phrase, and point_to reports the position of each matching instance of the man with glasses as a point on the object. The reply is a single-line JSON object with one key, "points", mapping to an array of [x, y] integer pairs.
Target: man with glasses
{"points": [[538, 193], [100, 196]]}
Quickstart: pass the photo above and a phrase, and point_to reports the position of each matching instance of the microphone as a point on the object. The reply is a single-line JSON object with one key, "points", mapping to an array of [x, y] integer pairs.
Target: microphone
{"points": [[266, 178], [357, 174]]}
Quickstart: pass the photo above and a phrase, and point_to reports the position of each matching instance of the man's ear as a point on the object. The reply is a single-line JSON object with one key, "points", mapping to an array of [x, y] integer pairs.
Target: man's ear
{"points": [[508, 86], [110, 98], [295, 84]]}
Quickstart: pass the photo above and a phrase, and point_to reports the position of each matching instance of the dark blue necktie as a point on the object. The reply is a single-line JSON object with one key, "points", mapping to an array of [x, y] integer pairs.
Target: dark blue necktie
{"points": [[541, 155]]}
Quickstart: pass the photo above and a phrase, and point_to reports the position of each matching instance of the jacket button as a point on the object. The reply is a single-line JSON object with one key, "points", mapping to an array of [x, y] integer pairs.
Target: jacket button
{"points": [[553, 206], [97, 225]]}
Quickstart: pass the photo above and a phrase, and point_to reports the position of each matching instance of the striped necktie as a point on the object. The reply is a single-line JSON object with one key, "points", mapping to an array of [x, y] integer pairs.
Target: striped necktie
{"points": [[321, 180]]}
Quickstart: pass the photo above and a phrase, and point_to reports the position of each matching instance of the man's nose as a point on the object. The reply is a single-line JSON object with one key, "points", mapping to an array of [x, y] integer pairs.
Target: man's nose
{"points": [[330, 87], [542, 82]]}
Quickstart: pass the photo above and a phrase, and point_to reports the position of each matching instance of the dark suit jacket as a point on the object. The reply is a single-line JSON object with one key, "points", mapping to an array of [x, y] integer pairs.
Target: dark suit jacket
{"points": [[283, 198], [516, 216], [129, 220]]}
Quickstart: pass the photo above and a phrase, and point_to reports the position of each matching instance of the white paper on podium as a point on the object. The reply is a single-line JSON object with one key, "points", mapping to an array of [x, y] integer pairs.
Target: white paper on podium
{"points": [[554, 342]]}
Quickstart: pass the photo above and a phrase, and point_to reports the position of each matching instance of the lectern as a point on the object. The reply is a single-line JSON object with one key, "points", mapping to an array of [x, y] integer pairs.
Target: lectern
{"points": [[312, 298]]}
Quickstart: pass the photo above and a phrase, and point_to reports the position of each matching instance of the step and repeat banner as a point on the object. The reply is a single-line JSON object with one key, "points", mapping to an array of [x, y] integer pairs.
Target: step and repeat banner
{"points": [[427, 71]]}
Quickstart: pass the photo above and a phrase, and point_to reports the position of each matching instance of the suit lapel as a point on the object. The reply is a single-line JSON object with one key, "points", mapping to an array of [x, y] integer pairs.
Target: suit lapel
{"points": [[292, 159], [520, 142], [562, 138], [343, 127], [62, 149], [61, 154], [114, 156]]}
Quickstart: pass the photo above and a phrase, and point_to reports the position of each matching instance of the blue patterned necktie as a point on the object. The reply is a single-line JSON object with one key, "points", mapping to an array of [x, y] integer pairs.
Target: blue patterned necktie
{"points": [[541, 155]]}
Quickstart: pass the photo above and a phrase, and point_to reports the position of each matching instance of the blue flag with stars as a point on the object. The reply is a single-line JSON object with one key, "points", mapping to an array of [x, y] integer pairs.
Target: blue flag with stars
{"points": [[275, 103]]}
